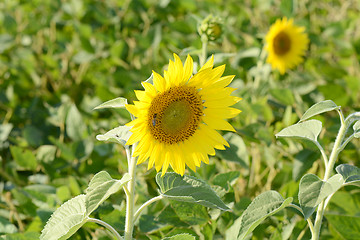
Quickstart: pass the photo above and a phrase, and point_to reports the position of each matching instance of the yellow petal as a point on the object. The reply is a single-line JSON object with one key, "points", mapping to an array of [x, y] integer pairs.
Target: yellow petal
{"points": [[208, 64]]}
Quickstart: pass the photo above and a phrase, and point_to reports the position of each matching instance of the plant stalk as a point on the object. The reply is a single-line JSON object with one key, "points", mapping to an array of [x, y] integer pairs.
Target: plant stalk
{"points": [[130, 197], [107, 226], [150, 201], [203, 55], [328, 170]]}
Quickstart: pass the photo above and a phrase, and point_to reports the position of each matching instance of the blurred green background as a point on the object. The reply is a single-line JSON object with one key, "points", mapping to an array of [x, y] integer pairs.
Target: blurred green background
{"points": [[61, 58]]}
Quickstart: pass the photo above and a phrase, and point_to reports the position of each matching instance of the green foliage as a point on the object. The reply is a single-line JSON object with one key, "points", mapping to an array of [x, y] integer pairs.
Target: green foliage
{"points": [[188, 189]]}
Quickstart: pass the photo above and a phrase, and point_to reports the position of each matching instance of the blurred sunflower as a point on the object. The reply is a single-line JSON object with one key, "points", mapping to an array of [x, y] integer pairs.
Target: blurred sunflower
{"points": [[177, 116], [286, 44]]}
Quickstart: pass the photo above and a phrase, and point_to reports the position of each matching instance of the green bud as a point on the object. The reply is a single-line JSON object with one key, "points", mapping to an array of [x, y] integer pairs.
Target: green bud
{"points": [[211, 28]]}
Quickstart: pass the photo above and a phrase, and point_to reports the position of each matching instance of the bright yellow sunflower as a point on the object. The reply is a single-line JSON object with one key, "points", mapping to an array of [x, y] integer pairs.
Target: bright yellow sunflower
{"points": [[177, 116], [286, 44]]}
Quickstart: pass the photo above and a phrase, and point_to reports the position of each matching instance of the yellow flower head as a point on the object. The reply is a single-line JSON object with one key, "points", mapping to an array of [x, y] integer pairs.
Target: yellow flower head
{"points": [[177, 116], [286, 44]]}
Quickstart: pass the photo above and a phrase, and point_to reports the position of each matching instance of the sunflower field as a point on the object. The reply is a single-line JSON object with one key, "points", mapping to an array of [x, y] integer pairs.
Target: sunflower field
{"points": [[179, 120]]}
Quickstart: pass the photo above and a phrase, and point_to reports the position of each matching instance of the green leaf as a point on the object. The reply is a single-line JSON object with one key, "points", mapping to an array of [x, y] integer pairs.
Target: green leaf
{"points": [[356, 128], [237, 151], [24, 159], [6, 226], [114, 103], [183, 236], [320, 107], [308, 130], [22, 236], [100, 188], [263, 206], [188, 189], [226, 179], [351, 174], [75, 126], [66, 220], [283, 95], [346, 226], [190, 213], [313, 190], [303, 161], [120, 135]]}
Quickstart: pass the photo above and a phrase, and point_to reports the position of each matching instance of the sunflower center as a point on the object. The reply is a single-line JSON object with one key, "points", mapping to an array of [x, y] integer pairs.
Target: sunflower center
{"points": [[174, 115], [282, 43]]}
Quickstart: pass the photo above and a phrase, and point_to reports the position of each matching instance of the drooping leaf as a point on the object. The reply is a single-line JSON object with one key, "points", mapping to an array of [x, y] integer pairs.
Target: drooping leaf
{"points": [[188, 189], [313, 190], [101, 187], [117, 135], [309, 130], [263, 206], [318, 108], [183, 236], [66, 220], [351, 174], [114, 103]]}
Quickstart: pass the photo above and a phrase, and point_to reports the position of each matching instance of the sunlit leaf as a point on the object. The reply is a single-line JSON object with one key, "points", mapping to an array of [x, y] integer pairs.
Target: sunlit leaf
{"points": [[351, 174], [263, 206], [183, 236], [24, 159], [188, 189], [101, 187], [313, 190], [309, 130], [117, 135], [348, 227], [318, 108], [114, 103], [66, 220]]}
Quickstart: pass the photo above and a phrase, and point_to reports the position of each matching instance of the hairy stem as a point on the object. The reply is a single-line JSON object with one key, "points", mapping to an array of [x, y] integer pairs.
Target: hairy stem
{"points": [[130, 198], [203, 55]]}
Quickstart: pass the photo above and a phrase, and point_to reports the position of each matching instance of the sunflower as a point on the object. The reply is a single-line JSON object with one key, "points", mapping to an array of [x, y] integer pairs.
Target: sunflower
{"points": [[177, 116], [286, 44]]}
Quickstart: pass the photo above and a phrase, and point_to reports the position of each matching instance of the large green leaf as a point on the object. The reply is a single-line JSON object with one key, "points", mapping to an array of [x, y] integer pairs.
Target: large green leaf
{"points": [[66, 220], [117, 135], [318, 108], [114, 103], [263, 206], [346, 226], [183, 236], [188, 189], [70, 216], [313, 190], [309, 130], [351, 174], [100, 188]]}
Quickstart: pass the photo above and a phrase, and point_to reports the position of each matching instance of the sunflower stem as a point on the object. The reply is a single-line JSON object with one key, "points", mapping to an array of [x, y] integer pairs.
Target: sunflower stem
{"points": [[203, 55], [130, 197], [337, 148]]}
